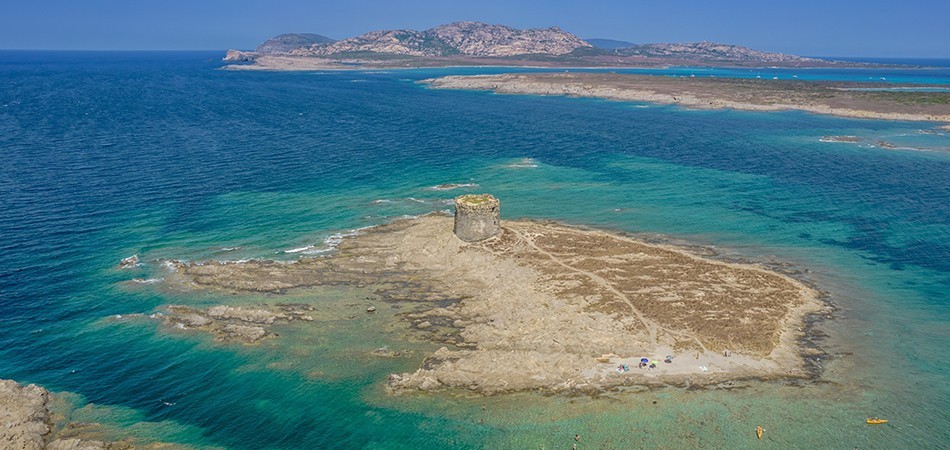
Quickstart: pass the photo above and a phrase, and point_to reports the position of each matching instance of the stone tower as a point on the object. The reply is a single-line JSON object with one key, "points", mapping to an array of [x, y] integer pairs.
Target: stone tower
{"points": [[476, 217]]}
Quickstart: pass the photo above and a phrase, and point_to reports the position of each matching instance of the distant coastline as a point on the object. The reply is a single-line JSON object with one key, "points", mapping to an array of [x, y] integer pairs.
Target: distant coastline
{"points": [[278, 63], [837, 99]]}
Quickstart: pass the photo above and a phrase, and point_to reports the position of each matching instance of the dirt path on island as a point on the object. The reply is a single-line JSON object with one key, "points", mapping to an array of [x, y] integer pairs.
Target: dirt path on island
{"points": [[651, 326]]}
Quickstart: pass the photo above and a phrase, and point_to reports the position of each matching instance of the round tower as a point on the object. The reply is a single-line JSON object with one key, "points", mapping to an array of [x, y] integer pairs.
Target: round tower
{"points": [[476, 217]]}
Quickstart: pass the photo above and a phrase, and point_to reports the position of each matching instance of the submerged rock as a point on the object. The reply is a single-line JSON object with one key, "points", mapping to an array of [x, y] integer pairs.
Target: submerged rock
{"points": [[129, 263], [227, 323], [242, 332]]}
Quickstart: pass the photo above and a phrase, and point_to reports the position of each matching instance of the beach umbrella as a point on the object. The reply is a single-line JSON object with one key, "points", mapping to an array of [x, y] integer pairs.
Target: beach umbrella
{"points": [[644, 360]]}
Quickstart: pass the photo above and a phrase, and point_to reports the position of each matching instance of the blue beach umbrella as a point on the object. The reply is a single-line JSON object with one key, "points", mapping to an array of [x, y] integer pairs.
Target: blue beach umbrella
{"points": [[644, 360]]}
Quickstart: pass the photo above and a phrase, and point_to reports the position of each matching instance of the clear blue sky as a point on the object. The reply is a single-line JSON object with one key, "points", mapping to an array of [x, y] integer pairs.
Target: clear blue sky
{"points": [[911, 28]]}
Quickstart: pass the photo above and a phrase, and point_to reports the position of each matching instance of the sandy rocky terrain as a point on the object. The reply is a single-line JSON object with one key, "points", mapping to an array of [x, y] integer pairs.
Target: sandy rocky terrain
{"points": [[541, 306], [837, 99]]}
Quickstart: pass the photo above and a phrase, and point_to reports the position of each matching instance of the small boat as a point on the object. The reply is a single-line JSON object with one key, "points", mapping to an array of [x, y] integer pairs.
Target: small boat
{"points": [[758, 431], [876, 421]]}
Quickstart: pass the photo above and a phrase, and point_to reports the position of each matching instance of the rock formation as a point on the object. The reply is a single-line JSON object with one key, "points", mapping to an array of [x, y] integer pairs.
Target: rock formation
{"points": [[129, 263], [26, 422], [235, 324], [476, 217], [238, 56]]}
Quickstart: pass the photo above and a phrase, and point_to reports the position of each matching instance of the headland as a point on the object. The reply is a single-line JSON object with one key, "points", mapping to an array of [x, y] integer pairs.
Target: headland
{"points": [[546, 307]]}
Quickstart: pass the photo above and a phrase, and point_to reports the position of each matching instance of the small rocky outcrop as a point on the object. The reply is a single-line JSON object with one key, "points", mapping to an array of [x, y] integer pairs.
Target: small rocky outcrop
{"points": [[477, 217], [129, 263], [235, 324], [238, 56]]}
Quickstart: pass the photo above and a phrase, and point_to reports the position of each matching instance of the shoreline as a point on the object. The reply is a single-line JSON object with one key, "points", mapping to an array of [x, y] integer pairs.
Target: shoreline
{"points": [[544, 327], [709, 93], [287, 62]]}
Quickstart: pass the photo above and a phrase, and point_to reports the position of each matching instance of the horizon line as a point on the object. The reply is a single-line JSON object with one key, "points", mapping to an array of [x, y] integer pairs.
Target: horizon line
{"points": [[225, 50]]}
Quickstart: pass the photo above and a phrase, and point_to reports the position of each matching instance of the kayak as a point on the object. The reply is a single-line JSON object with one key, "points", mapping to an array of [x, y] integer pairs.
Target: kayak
{"points": [[875, 421], [758, 431]]}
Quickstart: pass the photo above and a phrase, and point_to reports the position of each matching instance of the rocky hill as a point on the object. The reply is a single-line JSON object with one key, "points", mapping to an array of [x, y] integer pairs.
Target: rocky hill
{"points": [[476, 43], [459, 38], [708, 51], [284, 43], [480, 39]]}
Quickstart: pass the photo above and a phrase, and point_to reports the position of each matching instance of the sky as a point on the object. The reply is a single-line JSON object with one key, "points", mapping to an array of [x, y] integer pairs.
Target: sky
{"points": [[906, 28]]}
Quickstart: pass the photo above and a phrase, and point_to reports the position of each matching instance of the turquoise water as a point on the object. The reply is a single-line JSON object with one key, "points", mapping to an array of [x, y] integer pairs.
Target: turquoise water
{"points": [[160, 155]]}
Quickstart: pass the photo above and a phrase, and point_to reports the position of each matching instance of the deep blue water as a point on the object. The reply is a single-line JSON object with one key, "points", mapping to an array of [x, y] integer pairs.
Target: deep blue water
{"points": [[105, 155]]}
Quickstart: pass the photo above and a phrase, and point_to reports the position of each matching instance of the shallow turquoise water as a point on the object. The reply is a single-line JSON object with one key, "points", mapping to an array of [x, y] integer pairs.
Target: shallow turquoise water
{"points": [[108, 155]]}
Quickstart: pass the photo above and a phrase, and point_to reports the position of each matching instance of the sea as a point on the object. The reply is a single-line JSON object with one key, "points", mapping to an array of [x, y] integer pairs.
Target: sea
{"points": [[106, 155]]}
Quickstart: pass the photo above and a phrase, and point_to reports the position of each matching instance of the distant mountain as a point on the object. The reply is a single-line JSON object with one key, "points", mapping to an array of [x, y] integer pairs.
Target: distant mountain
{"points": [[609, 44], [708, 51], [284, 43], [459, 38]]}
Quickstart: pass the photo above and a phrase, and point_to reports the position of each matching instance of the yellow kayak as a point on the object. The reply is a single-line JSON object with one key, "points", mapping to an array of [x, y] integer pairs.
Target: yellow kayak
{"points": [[758, 431], [875, 421]]}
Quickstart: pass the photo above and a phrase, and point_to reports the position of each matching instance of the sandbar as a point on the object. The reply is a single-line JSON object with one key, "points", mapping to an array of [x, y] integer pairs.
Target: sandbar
{"points": [[820, 97]]}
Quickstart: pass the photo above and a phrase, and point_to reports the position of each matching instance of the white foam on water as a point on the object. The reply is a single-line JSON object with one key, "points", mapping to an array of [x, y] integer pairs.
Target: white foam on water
{"points": [[450, 186], [299, 249], [524, 163], [329, 244], [432, 201]]}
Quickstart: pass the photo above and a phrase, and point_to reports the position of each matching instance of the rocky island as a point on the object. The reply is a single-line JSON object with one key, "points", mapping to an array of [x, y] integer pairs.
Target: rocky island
{"points": [[527, 305], [859, 100], [482, 44]]}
